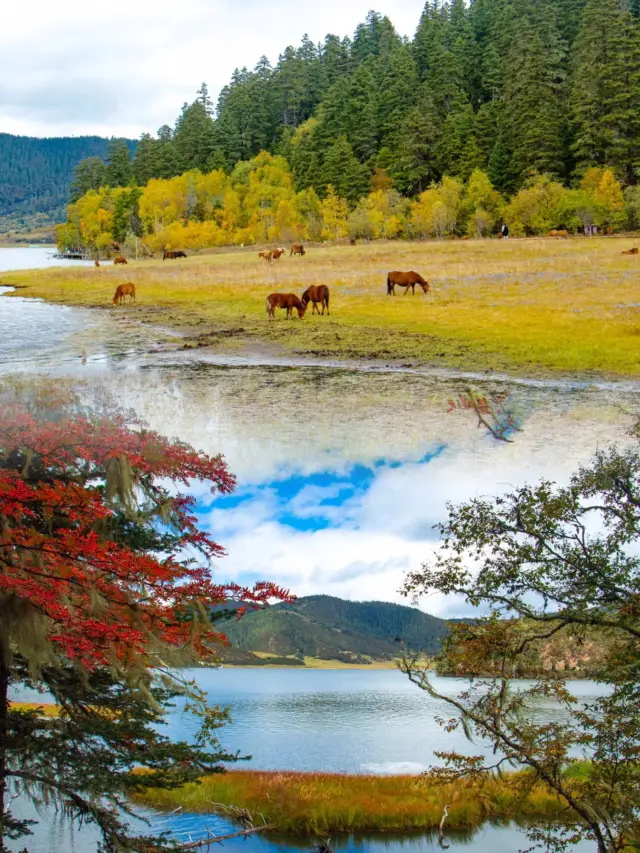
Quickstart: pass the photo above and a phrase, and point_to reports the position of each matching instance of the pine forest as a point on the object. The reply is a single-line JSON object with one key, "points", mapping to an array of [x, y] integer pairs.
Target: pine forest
{"points": [[523, 111]]}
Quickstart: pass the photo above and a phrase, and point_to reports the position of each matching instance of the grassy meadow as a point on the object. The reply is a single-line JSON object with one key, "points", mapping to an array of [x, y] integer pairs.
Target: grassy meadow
{"points": [[531, 306], [308, 803]]}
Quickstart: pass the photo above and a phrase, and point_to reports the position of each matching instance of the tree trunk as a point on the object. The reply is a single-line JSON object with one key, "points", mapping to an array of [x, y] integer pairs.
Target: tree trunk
{"points": [[4, 721]]}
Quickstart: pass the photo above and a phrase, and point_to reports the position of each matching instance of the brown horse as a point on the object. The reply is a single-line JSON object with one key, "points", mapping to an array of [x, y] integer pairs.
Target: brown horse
{"points": [[284, 300], [316, 294], [633, 251], [119, 259], [122, 290], [276, 253], [97, 262], [406, 280], [265, 255], [173, 254], [561, 233], [297, 249]]}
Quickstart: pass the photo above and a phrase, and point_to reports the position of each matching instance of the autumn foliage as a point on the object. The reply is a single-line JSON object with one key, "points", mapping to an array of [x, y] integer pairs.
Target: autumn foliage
{"points": [[106, 587], [73, 489]]}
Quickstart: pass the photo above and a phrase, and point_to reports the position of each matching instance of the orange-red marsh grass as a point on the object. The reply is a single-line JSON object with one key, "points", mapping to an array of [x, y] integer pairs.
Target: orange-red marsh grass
{"points": [[329, 802], [536, 306]]}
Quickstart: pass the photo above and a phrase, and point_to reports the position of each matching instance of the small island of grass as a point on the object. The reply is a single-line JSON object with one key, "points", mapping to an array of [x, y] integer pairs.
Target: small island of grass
{"points": [[307, 803]]}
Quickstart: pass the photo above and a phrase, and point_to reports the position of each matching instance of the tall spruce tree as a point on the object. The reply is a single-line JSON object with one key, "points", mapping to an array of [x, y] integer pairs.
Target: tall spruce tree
{"points": [[89, 174], [605, 91], [533, 107], [119, 170]]}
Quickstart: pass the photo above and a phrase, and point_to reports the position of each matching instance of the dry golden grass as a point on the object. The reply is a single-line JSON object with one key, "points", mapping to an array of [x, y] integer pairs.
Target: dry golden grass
{"points": [[529, 306], [331, 802], [47, 709]]}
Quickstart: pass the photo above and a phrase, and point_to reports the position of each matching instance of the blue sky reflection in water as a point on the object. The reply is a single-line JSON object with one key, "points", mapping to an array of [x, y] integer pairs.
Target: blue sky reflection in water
{"points": [[342, 475]]}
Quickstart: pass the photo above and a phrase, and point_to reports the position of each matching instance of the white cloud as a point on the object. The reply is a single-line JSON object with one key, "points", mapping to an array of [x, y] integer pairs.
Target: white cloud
{"points": [[77, 67]]}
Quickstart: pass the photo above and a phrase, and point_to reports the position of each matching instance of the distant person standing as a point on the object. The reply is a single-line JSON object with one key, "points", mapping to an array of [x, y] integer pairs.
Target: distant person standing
{"points": [[505, 231]]}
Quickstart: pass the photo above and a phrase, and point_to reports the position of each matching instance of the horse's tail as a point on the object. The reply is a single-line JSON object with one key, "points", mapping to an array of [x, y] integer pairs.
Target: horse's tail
{"points": [[389, 282], [326, 296]]}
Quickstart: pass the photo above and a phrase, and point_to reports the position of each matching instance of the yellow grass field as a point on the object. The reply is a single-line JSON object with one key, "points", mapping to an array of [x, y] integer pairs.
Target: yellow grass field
{"points": [[47, 709], [534, 306], [333, 802]]}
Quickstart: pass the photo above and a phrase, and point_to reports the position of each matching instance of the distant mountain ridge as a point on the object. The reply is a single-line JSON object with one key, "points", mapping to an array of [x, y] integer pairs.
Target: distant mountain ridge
{"points": [[36, 174], [329, 628]]}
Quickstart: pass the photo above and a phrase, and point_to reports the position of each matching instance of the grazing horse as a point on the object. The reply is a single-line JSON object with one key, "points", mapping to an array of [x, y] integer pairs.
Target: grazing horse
{"points": [[122, 290], [284, 300], [316, 294], [168, 253], [119, 259], [406, 280], [276, 253], [633, 251], [297, 249], [561, 233]]}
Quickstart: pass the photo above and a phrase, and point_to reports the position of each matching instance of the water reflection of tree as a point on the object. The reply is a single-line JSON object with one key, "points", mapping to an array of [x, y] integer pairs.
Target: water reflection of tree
{"points": [[496, 412]]}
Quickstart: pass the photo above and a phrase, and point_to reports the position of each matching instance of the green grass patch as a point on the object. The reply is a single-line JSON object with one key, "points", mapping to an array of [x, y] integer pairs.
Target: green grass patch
{"points": [[534, 306], [306, 803]]}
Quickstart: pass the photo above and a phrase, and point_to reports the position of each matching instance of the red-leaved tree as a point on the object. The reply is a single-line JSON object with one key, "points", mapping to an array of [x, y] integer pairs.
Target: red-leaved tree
{"points": [[106, 587]]}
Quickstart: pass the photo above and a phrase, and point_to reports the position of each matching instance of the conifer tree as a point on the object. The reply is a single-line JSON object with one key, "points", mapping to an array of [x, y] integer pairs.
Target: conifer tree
{"points": [[533, 109], [342, 170], [193, 138], [119, 171], [605, 92], [89, 174]]}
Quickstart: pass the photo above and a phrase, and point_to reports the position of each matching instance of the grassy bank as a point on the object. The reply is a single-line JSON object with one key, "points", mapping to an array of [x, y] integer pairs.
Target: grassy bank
{"points": [[329, 802], [534, 306]]}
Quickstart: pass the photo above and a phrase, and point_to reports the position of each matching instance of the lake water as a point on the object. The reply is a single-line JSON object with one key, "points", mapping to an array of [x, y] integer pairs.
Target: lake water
{"points": [[342, 473]]}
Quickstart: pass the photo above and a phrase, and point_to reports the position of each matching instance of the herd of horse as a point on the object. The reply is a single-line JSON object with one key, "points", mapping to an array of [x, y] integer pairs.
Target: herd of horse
{"points": [[275, 254], [317, 295]]}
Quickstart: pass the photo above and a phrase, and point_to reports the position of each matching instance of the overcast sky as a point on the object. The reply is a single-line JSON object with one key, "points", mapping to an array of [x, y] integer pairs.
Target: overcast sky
{"points": [[126, 67]]}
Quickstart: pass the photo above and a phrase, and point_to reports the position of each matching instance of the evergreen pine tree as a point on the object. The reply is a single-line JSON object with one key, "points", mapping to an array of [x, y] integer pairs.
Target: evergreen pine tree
{"points": [[414, 167], [89, 174], [119, 171], [193, 138], [342, 170], [146, 163], [533, 108], [397, 92], [605, 91]]}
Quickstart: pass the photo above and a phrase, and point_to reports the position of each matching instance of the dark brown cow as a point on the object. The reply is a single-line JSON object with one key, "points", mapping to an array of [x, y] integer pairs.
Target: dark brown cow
{"points": [[122, 290], [406, 280], [633, 251], [316, 294], [168, 253], [119, 259], [297, 249], [284, 300]]}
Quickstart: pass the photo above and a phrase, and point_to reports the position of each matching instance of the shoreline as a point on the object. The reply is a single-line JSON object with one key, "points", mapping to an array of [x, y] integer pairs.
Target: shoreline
{"points": [[522, 311], [307, 802]]}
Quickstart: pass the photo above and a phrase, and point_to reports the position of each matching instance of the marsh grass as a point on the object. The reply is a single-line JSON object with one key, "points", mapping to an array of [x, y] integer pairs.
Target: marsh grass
{"points": [[307, 803], [529, 306]]}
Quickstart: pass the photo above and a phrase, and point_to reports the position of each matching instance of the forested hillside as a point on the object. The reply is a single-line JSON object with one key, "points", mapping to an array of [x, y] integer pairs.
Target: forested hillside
{"points": [[329, 628], [36, 174], [517, 91]]}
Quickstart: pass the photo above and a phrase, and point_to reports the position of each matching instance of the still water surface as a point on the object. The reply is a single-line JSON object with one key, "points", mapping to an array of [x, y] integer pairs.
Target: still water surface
{"points": [[342, 474]]}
